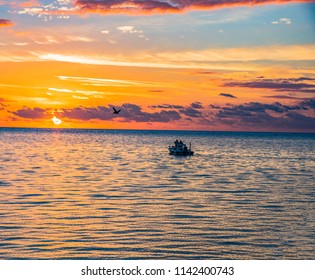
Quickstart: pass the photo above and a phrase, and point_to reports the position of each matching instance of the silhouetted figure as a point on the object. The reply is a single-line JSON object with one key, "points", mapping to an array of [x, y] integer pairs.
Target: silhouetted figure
{"points": [[116, 111], [176, 143]]}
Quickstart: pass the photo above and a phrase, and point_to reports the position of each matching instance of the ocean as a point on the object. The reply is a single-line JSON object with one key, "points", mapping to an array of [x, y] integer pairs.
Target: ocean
{"points": [[118, 194]]}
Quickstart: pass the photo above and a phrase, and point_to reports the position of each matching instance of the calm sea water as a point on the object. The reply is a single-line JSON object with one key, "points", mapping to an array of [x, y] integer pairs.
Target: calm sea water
{"points": [[84, 194]]}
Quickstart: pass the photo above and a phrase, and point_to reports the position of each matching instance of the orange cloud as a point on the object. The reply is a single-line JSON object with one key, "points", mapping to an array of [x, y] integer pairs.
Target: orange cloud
{"points": [[29, 3], [5, 23]]}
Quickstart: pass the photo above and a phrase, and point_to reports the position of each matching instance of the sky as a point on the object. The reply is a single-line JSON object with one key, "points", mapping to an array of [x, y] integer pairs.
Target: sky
{"points": [[167, 64]]}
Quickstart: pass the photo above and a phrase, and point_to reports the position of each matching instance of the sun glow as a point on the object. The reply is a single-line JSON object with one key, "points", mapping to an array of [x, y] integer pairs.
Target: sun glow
{"points": [[56, 121]]}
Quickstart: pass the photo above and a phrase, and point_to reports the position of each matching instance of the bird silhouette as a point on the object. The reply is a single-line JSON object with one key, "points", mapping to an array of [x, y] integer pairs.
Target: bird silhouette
{"points": [[116, 111]]}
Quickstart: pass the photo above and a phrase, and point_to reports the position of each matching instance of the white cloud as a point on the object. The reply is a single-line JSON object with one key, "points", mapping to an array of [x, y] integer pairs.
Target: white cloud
{"points": [[60, 89], [84, 92], [129, 29], [64, 2], [20, 43], [47, 40], [31, 11], [213, 58], [79, 97], [285, 20], [102, 82], [282, 21], [61, 9], [79, 39]]}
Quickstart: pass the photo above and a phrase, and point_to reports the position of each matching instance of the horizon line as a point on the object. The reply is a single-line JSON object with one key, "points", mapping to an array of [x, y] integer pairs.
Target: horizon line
{"points": [[166, 130]]}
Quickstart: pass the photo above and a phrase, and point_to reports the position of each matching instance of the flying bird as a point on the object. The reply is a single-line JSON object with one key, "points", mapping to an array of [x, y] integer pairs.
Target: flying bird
{"points": [[116, 111]]}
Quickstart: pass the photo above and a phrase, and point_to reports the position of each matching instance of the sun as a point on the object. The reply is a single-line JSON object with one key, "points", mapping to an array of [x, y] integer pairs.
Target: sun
{"points": [[56, 121]]}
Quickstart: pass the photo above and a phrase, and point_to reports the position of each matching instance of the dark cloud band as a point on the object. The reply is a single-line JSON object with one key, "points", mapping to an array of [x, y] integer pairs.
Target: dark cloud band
{"points": [[228, 95], [29, 113], [302, 84], [130, 113], [252, 115]]}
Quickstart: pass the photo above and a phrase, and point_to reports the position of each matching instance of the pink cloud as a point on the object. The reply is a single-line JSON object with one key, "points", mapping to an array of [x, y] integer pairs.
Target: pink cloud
{"points": [[160, 6], [66, 8]]}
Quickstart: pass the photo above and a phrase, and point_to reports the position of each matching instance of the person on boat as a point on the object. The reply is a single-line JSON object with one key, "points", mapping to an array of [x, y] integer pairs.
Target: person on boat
{"points": [[176, 143]]}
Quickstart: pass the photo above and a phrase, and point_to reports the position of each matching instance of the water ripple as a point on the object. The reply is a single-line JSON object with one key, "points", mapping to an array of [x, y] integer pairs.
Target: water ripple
{"points": [[82, 195]]}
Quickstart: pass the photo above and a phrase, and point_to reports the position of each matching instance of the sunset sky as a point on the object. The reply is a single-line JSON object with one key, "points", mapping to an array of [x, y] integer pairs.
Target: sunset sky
{"points": [[167, 64]]}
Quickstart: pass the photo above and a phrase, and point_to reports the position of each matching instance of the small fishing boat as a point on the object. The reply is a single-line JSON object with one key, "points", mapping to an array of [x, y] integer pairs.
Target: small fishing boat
{"points": [[180, 149]]}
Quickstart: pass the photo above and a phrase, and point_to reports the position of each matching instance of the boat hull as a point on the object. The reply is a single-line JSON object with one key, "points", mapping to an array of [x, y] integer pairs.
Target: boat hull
{"points": [[180, 153]]}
